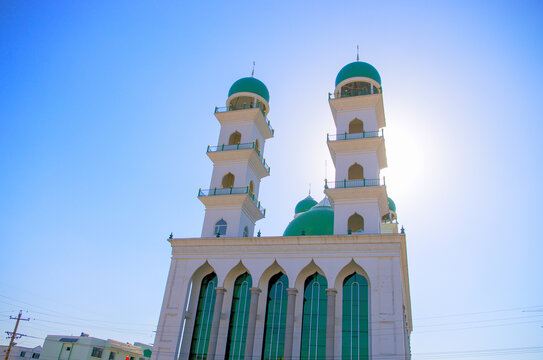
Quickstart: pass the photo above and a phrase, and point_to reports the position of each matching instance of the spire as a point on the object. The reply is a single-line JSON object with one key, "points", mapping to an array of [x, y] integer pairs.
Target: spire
{"points": [[253, 73], [357, 54], [309, 189]]}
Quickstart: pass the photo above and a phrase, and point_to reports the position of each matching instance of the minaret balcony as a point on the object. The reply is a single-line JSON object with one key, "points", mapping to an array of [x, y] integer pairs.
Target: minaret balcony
{"points": [[230, 114], [351, 136], [232, 196], [354, 103], [353, 183], [351, 191], [243, 152]]}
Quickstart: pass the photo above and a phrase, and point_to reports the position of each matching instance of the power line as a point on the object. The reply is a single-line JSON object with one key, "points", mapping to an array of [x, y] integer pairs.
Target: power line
{"points": [[14, 334]]}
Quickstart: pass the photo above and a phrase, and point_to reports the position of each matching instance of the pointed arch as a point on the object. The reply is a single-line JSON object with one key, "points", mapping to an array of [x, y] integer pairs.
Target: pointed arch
{"points": [[356, 126], [235, 138], [239, 317], [245, 231], [257, 145], [313, 344], [356, 172], [355, 223], [204, 317], [228, 180], [355, 317], [251, 187], [276, 316]]}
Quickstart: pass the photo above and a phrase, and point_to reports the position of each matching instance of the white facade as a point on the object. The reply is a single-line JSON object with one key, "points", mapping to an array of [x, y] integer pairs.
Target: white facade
{"points": [[84, 347], [218, 279], [20, 352]]}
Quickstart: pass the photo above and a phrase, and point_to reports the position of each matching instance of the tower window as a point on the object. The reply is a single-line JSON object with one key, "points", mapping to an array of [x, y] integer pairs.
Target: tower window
{"points": [[235, 138], [246, 232], [220, 227], [356, 126], [355, 223], [228, 180], [251, 187], [356, 172]]}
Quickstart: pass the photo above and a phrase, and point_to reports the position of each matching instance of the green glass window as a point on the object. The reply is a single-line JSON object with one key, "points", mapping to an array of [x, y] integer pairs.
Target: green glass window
{"points": [[314, 318], [204, 317], [239, 316], [355, 334], [276, 316]]}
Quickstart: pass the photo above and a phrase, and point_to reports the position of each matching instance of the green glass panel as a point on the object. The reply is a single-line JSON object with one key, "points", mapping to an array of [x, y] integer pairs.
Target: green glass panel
{"points": [[355, 335], [239, 317], [313, 345], [276, 316], [204, 318]]}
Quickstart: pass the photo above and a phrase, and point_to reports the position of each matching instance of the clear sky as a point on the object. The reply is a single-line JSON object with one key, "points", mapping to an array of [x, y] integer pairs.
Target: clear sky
{"points": [[106, 109]]}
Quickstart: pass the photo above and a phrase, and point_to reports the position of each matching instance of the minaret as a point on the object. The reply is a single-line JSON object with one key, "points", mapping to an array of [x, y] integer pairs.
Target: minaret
{"points": [[231, 202], [358, 194]]}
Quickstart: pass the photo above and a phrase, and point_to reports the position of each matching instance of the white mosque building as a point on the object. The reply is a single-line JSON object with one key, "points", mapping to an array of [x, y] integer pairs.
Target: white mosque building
{"points": [[334, 286]]}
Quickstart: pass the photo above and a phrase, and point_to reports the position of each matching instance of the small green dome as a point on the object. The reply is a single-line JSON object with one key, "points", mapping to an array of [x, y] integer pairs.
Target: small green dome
{"points": [[391, 205], [252, 85], [317, 221], [305, 205], [358, 69]]}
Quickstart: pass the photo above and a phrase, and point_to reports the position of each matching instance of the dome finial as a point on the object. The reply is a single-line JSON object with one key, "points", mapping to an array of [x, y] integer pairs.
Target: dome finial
{"points": [[357, 54], [253, 73], [309, 189]]}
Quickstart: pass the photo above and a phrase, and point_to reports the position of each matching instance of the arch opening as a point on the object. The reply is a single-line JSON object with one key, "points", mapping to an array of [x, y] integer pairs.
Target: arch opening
{"points": [[235, 138], [251, 187], [356, 172], [356, 126], [228, 180], [355, 223], [246, 232]]}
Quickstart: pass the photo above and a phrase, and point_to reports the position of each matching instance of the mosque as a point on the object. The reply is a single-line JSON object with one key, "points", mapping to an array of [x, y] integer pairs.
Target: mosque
{"points": [[334, 286]]}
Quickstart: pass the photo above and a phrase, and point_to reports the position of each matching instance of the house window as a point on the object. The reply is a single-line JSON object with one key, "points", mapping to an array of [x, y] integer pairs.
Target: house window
{"points": [[35, 356], [23, 353], [112, 355], [97, 352]]}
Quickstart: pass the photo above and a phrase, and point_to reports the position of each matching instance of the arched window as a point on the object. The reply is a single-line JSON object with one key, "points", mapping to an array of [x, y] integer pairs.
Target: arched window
{"points": [[276, 316], [204, 318], [355, 324], [228, 180], [355, 223], [251, 187], [356, 126], [246, 232], [220, 227], [257, 145], [356, 172], [235, 138], [314, 318], [239, 316]]}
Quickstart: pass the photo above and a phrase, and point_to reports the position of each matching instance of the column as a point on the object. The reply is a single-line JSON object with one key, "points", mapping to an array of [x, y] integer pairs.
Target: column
{"points": [[251, 325], [330, 322], [215, 324], [289, 330]]}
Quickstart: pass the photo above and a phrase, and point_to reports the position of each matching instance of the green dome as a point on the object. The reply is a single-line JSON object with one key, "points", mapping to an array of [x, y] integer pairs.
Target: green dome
{"points": [[358, 69], [317, 221], [305, 205], [252, 85], [391, 205]]}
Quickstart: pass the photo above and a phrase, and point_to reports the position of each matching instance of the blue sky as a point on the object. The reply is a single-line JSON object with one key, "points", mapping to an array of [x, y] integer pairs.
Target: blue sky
{"points": [[106, 109]]}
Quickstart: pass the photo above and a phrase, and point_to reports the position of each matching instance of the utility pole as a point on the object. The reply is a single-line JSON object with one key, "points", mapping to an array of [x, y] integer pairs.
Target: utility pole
{"points": [[14, 334]]}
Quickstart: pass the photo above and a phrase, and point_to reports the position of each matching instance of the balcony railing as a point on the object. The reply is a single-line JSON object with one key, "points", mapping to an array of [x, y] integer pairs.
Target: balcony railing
{"points": [[350, 136], [233, 191], [350, 93], [353, 183], [244, 107], [239, 147]]}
